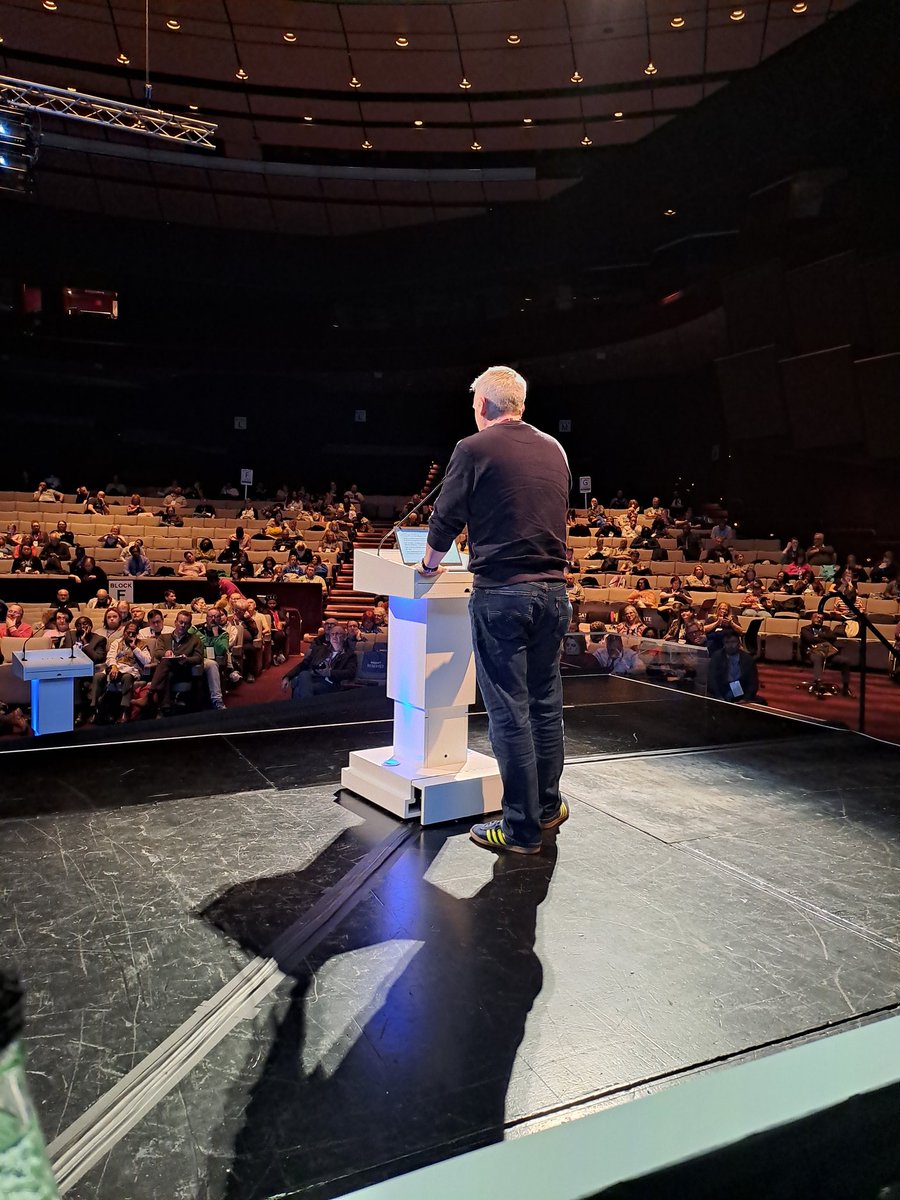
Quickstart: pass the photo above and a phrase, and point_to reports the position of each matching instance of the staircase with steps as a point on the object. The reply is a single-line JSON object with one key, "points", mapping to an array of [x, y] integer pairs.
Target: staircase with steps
{"points": [[345, 604]]}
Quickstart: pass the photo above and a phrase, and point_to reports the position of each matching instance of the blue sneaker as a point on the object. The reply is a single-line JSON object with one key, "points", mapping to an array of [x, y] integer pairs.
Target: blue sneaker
{"points": [[490, 834], [561, 814]]}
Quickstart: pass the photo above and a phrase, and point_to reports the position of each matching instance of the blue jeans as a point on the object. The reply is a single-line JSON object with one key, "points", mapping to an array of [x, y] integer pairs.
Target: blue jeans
{"points": [[517, 633]]}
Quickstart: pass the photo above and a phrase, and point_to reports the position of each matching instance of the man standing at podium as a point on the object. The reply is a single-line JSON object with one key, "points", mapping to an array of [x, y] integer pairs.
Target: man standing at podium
{"points": [[509, 485]]}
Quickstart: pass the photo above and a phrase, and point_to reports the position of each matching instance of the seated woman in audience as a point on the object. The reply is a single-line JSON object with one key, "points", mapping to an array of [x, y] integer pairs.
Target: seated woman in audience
{"points": [[268, 569], [190, 568], [720, 623], [631, 624], [169, 516], [248, 512], [858, 572], [644, 594], [206, 551], [26, 557], [673, 597], [112, 540], [685, 629], [367, 622], [112, 623], [54, 554], [885, 569], [15, 625], [622, 577], [204, 509], [781, 582], [736, 571], [698, 580], [134, 506], [321, 568], [91, 578], [797, 565], [6, 550], [754, 602]]}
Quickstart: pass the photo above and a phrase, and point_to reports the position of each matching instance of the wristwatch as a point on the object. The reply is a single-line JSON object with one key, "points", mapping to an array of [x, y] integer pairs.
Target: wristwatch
{"points": [[429, 570]]}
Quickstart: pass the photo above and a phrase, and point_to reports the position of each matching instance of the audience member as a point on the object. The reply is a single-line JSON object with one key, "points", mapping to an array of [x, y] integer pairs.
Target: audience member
{"points": [[323, 670], [136, 564], [820, 554], [15, 625], [190, 568], [175, 657], [615, 658], [732, 671], [818, 646], [135, 507], [213, 640]]}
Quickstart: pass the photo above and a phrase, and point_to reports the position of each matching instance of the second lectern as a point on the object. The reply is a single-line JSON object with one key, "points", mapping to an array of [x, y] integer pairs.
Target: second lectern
{"points": [[428, 773]]}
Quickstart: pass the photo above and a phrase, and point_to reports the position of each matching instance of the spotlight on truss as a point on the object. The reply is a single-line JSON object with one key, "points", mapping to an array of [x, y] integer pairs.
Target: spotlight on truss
{"points": [[18, 150]]}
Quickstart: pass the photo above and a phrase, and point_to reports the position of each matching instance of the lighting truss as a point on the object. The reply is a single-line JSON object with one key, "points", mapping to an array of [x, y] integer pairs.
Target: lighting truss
{"points": [[18, 150], [76, 106]]}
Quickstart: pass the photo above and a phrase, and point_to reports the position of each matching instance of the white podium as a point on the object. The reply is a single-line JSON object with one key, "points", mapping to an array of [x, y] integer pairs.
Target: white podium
{"points": [[429, 772], [51, 674]]}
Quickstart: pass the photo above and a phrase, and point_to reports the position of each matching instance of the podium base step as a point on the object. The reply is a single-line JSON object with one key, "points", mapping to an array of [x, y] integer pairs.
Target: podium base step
{"points": [[414, 792]]}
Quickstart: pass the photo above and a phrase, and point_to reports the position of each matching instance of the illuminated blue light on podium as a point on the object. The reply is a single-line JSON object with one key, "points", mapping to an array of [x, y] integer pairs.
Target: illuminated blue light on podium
{"points": [[392, 762]]}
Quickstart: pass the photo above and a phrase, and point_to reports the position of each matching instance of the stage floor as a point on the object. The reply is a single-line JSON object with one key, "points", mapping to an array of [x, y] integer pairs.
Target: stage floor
{"points": [[353, 998]]}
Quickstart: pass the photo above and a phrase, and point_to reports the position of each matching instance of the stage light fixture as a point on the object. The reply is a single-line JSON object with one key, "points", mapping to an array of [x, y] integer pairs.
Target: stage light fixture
{"points": [[476, 146], [173, 24], [241, 74], [677, 22], [123, 59], [737, 14], [513, 39], [367, 145], [464, 84], [586, 141], [576, 77], [308, 119], [618, 116], [193, 107], [50, 5], [354, 82], [650, 69], [527, 120], [418, 124], [799, 7], [402, 42], [290, 38], [669, 212]]}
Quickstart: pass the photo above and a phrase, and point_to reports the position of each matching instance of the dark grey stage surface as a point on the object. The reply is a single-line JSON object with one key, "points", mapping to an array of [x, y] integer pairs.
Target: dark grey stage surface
{"points": [[729, 881]]}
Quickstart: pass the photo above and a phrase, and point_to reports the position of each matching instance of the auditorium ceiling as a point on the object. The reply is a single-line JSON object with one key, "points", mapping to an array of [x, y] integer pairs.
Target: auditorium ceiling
{"points": [[342, 118]]}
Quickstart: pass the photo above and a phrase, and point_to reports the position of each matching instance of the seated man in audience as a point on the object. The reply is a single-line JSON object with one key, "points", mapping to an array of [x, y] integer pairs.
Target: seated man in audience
{"points": [[754, 602], [190, 568], [718, 552], [818, 646], [213, 639], [323, 670], [47, 495], [169, 516], [126, 658], [101, 600], [54, 554], [136, 564], [656, 511], [647, 540], [15, 625], [574, 591], [311, 576], [96, 505], [622, 577], [685, 628], [356, 639], [735, 572], [820, 554], [732, 671], [65, 535], [630, 522], [94, 646], [170, 600], [615, 658], [175, 657], [293, 570], [156, 626], [112, 540], [722, 529]]}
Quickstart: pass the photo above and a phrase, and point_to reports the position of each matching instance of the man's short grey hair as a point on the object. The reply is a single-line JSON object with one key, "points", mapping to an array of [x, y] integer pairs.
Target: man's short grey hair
{"points": [[504, 389]]}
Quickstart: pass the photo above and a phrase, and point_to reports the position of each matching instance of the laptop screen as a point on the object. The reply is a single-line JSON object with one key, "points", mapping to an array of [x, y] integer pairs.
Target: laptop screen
{"points": [[412, 543]]}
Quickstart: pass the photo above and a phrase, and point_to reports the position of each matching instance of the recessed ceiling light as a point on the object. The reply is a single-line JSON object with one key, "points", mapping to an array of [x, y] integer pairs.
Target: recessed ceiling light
{"points": [[402, 42], [308, 119], [71, 88], [241, 74], [669, 212], [475, 146], [677, 22], [418, 124], [123, 59], [527, 120], [50, 5], [513, 39], [464, 84], [737, 14], [367, 145], [576, 77], [586, 141], [650, 69], [799, 7], [173, 24], [192, 107], [618, 115], [289, 37], [354, 82]]}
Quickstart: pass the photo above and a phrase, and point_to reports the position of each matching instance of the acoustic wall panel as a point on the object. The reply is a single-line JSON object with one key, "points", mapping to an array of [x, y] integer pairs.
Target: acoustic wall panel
{"points": [[826, 303], [750, 388], [821, 399], [878, 385]]}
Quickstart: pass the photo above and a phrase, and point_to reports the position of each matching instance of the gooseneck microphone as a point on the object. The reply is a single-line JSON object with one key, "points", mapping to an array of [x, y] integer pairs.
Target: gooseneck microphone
{"points": [[30, 638], [393, 529]]}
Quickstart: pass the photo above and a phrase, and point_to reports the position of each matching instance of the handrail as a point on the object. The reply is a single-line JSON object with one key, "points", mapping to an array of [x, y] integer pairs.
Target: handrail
{"points": [[864, 624]]}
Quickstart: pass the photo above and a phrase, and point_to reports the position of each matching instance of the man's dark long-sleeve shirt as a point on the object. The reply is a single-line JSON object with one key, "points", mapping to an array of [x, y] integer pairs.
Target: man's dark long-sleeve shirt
{"points": [[509, 484]]}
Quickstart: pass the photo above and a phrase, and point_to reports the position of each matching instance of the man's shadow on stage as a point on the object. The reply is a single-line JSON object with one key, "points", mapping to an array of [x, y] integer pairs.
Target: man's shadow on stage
{"points": [[425, 1073]]}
